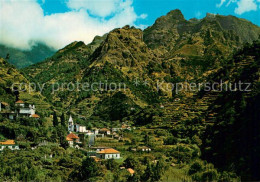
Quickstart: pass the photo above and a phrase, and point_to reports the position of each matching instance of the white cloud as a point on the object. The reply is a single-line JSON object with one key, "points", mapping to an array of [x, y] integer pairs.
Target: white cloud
{"points": [[23, 23], [245, 6], [221, 3], [96, 7]]}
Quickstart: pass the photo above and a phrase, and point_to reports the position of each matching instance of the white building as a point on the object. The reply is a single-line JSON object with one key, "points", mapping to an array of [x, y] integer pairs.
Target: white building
{"points": [[21, 110], [80, 128], [76, 127], [108, 154], [24, 109], [10, 144]]}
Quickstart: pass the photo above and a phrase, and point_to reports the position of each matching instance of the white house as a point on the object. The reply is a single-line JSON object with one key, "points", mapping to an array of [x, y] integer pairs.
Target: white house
{"points": [[26, 110], [72, 139], [108, 154], [22, 110], [80, 128], [9, 144]]}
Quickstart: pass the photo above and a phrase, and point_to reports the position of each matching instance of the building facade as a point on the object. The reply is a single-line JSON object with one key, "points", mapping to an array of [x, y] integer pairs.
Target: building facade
{"points": [[108, 154], [10, 144]]}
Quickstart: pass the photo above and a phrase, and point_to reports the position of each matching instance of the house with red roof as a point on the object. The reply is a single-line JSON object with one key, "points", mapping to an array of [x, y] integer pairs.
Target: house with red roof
{"points": [[21, 109], [109, 153], [72, 139], [10, 144]]}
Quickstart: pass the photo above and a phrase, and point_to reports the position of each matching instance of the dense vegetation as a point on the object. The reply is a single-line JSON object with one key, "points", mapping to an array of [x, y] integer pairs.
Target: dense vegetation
{"points": [[194, 135]]}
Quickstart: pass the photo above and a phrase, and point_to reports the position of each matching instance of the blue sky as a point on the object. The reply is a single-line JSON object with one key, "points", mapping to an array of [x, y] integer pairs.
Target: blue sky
{"points": [[157, 8], [60, 22]]}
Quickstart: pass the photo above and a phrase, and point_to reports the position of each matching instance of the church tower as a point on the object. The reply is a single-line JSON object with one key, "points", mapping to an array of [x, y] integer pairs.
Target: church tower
{"points": [[70, 125]]}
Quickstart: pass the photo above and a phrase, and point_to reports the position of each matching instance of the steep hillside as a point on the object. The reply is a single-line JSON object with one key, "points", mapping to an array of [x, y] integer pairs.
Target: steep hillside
{"points": [[232, 143], [24, 58], [10, 90], [121, 57], [172, 50]]}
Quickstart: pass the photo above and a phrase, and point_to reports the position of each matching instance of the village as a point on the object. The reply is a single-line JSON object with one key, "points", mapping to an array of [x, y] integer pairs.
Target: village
{"points": [[77, 134]]}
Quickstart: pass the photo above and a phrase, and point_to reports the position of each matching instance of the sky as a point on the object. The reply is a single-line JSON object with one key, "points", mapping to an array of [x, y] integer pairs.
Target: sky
{"points": [[57, 23]]}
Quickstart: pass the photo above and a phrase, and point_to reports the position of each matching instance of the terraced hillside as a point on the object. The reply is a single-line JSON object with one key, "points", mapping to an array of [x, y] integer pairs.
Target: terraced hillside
{"points": [[10, 80]]}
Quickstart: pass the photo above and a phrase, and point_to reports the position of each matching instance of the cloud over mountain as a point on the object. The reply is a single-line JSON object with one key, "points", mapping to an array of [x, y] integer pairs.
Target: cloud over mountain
{"points": [[23, 23]]}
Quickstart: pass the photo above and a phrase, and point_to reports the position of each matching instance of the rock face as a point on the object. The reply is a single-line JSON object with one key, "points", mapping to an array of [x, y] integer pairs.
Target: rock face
{"points": [[124, 48], [173, 35]]}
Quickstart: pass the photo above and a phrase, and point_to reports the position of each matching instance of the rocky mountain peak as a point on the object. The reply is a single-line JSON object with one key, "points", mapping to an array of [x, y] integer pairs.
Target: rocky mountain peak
{"points": [[176, 14]]}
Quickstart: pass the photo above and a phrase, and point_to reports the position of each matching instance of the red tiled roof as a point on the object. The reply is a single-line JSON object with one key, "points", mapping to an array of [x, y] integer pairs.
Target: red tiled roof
{"points": [[69, 139], [19, 102], [8, 142], [109, 151], [72, 136], [35, 116], [130, 170]]}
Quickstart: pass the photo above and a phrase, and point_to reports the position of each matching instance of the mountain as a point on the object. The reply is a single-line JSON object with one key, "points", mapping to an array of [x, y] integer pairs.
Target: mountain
{"points": [[172, 50], [24, 58], [120, 57], [172, 33], [198, 44], [135, 76]]}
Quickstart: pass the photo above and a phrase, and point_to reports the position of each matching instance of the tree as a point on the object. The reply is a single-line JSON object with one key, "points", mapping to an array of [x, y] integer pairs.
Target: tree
{"points": [[130, 162], [55, 119], [158, 170], [62, 120], [61, 131], [148, 173], [133, 178], [171, 140], [111, 164], [195, 167], [89, 169]]}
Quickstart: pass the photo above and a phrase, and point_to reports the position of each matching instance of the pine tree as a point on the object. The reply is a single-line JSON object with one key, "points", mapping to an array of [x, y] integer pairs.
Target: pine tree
{"points": [[55, 119], [62, 120]]}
